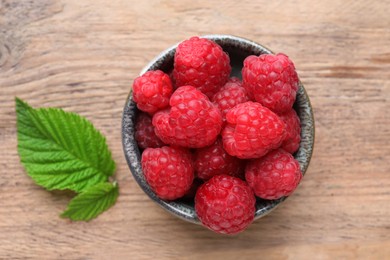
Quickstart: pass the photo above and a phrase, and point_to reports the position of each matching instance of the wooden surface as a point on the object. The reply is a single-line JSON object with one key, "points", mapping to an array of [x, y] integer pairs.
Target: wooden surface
{"points": [[83, 55]]}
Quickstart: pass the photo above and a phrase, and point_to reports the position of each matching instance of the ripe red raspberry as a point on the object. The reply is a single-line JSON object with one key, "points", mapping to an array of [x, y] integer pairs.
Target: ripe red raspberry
{"points": [[193, 121], [271, 80], [168, 170], [229, 96], [293, 130], [144, 132], [201, 63], [252, 131], [273, 176], [213, 160], [225, 204], [152, 91]]}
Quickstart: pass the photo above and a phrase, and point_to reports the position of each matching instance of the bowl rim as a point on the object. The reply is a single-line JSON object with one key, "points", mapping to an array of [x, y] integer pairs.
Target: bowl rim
{"points": [[133, 156]]}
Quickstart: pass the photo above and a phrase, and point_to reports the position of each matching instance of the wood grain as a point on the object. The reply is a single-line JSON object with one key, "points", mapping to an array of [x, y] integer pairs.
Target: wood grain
{"points": [[83, 55]]}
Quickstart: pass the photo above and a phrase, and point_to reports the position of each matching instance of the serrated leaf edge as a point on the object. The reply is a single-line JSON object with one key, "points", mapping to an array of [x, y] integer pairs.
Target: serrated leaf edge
{"points": [[114, 188]]}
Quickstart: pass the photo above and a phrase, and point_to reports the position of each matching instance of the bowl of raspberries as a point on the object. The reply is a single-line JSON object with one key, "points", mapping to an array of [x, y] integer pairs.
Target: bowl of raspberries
{"points": [[218, 130]]}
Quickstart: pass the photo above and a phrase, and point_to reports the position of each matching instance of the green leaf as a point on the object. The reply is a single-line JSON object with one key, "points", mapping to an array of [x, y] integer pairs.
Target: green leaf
{"points": [[92, 202], [61, 150]]}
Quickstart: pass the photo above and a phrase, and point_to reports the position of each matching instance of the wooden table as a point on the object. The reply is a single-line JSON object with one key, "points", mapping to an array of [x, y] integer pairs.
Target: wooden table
{"points": [[83, 55]]}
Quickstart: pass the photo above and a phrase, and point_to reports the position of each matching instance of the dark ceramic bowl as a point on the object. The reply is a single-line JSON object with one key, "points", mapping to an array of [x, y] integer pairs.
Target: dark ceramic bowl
{"points": [[238, 50]]}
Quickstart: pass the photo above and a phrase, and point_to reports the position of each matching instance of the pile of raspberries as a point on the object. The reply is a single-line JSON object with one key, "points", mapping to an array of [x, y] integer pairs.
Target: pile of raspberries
{"points": [[218, 140]]}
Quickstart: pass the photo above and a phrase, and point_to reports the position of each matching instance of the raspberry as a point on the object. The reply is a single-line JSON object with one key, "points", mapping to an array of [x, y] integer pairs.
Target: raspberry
{"points": [[271, 80], [201, 63], [293, 130], [229, 96], [273, 176], [152, 90], [213, 160], [144, 132], [168, 171], [252, 131], [225, 204], [193, 121]]}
